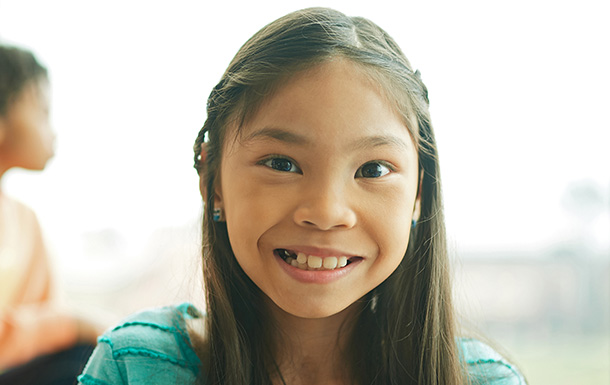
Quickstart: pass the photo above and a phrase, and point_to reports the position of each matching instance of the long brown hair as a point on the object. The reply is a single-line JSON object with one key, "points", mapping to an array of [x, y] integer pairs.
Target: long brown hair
{"points": [[405, 334]]}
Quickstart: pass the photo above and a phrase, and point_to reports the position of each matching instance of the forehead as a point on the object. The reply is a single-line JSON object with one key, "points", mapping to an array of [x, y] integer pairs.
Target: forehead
{"points": [[333, 100], [320, 92]]}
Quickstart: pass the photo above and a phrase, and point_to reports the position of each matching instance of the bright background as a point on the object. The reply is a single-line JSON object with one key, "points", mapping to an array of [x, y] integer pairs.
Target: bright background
{"points": [[519, 97]]}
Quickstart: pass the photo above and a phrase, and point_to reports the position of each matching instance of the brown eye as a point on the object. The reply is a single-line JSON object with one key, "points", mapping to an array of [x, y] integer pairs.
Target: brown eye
{"points": [[281, 164], [372, 170]]}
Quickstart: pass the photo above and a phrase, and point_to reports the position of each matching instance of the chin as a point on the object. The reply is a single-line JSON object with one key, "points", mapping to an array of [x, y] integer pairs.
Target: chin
{"points": [[314, 311], [43, 164], [37, 167]]}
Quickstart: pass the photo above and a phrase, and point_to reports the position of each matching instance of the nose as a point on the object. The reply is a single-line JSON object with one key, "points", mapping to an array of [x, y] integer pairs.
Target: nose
{"points": [[325, 207]]}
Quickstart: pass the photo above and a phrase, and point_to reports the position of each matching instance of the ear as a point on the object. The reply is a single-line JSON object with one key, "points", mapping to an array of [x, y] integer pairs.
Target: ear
{"points": [[203, 154], [218, 201], [417, 208], [203, 188], [3, 129], [417, 205]]}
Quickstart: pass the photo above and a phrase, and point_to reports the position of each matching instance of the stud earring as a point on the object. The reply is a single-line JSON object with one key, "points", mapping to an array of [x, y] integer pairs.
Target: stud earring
{"points": [[413, 223], [217, 214]]}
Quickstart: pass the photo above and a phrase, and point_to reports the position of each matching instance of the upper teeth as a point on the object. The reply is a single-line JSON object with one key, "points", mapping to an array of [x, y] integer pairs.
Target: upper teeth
{"points": [[314, 262]]}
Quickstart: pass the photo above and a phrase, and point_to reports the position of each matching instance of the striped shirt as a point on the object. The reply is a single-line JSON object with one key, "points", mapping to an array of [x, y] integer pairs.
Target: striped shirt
{"points": [[153, 347]]}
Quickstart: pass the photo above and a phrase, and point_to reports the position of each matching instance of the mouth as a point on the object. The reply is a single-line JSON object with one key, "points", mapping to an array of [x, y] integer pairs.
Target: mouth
{"points": [[314, 262]]}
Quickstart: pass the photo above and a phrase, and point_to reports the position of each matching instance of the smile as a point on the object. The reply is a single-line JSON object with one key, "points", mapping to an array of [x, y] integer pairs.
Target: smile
{"points": [[313, 262]]}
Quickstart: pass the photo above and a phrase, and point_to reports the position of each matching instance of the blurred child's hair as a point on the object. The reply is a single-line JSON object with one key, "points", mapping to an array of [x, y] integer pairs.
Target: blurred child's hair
{"points": [[17, 68], [405, 334]]}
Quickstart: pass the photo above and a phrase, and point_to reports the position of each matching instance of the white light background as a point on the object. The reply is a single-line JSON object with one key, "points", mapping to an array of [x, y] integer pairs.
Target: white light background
{"points": [[519, 99]]}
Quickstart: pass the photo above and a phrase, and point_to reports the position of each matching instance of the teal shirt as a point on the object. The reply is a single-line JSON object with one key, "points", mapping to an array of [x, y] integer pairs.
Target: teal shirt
{"points": [[153, 347]]}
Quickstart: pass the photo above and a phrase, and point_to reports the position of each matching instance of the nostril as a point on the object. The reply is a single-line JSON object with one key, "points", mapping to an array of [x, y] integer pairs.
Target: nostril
{"points": [[326, 214]]}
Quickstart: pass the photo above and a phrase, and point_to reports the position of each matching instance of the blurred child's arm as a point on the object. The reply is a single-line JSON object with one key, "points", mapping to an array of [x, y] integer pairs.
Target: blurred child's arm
{"points": [[32, 330], [31, 323]]}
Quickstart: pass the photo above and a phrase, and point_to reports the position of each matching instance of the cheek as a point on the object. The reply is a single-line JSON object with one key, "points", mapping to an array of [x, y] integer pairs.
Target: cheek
{"points": [[242, 239], [32, 132], [392, 223], [249, 212], [244, 204]]}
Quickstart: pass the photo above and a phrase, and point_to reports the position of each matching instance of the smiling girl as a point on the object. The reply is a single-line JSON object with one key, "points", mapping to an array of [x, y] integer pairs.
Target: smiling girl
{"points": [[324, 245]]}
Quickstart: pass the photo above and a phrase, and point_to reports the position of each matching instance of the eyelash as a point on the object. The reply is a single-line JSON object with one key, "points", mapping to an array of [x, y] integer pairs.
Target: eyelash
{"points": [[268, 162], [386, 165]]}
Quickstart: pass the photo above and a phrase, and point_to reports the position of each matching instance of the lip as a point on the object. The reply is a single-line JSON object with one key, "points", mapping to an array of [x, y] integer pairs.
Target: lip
{"points": [[319, 276]]}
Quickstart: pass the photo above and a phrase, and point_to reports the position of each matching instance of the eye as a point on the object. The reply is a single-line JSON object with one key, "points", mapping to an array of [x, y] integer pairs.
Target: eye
{"points": [[373, 170], [280, 164]]}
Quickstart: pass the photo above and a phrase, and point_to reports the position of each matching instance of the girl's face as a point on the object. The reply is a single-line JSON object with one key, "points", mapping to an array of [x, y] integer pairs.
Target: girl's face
{"points": [[27, 138], [326, 173]]}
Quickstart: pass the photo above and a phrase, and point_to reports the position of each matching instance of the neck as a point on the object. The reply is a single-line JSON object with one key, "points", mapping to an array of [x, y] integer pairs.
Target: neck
{"points": [[312, 351]]}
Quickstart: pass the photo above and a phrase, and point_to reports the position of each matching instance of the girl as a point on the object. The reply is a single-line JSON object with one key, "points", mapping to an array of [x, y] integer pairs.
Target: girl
{"points": [[324, 243]]}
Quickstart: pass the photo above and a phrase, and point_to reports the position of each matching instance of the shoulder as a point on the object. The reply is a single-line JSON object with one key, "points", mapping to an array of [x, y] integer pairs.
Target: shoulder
{"points": [[486, 366], [16, 210], [150, 347]]}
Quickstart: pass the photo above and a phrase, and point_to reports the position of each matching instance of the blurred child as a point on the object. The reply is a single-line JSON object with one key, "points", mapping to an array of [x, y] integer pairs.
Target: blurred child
{"points": [[39, 342]]}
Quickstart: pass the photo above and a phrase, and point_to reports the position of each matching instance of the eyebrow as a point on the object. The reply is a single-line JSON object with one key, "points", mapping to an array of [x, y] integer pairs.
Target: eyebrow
{"points": [[381, 141], [278, 134], [286, 136]]}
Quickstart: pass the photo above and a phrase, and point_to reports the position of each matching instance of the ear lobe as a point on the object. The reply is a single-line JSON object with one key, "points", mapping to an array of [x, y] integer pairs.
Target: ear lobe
{"points": [[218, 201], [203, 189]]}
